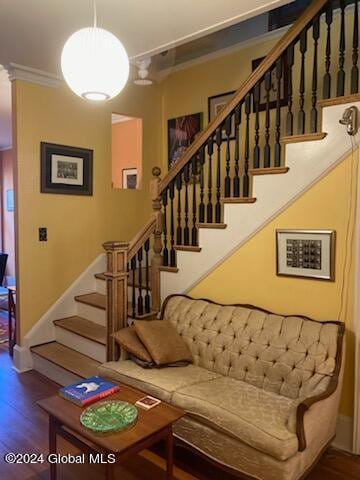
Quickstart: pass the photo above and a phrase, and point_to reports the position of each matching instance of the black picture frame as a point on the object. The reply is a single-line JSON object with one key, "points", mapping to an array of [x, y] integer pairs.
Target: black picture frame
{"points": [[284, 82], [182, 131], [72, 177], [221, 99]]}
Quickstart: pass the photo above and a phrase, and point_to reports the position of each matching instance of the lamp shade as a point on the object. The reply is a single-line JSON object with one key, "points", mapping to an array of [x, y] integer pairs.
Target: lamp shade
{"points": [[95, 64]]}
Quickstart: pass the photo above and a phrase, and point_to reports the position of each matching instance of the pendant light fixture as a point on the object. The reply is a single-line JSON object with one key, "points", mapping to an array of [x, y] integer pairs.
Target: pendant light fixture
{"points": [[94, 63]]}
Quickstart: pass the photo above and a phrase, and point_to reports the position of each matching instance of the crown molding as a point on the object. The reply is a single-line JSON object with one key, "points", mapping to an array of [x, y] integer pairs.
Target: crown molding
{"points": [[33, 75]]}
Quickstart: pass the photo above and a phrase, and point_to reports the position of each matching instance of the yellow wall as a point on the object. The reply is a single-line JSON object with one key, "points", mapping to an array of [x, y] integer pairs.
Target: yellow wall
{"points": [[77, 225], [249, 275]]}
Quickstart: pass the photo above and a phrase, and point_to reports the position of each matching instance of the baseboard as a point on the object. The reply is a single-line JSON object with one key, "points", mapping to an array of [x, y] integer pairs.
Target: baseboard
{"points": [[344, 433], [22, 359]]}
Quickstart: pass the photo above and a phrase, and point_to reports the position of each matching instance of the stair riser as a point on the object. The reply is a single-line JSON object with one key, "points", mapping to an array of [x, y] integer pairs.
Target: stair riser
{"points": [[80, 344], [54, 372], [101, 286], [93, 314]]}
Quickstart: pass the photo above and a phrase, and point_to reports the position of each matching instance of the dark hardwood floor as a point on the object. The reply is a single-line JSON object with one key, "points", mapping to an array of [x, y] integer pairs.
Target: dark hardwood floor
{"points": [[23, 428]]}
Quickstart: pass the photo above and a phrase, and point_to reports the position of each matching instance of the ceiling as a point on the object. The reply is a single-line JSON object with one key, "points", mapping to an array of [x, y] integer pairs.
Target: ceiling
{"points": [[5, 110], [33, 32]]}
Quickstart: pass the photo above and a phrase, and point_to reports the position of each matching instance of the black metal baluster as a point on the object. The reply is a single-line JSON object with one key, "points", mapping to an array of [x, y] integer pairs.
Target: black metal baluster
{"points": [[172, 227], [165, 249], [140, 302], [147, 277], [202, 205], [247, 145], [195, 159], [133, 295], [228, 123], [278, 71], [179, 228], [267, 119], [209, 207], [256, 162], [290, 115], [218, 175], [236, 183], [314, 113], [341, 73], [186, 227], [301, 116], [327, 76], [354, 88]]}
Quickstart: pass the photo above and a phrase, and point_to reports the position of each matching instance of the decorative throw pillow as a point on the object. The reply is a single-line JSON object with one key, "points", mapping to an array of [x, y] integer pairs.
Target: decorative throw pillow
{"points": [[162, 341], [128, 339]]}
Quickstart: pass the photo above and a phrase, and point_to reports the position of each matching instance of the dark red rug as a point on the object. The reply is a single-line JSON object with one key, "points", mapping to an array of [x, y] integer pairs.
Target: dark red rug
{"points": [[4, 334]]}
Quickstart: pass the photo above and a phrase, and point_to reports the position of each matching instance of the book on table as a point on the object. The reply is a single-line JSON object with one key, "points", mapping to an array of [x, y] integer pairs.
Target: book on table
{"points": [[88, 390]]}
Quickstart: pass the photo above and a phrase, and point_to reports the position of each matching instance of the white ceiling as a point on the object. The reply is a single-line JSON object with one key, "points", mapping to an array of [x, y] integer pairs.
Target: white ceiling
{"points": [[5, 110], [33, 32]]}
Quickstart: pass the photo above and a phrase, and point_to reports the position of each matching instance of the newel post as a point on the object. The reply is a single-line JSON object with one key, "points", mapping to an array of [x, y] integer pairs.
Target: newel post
{"points": [[156, 261], [116, 293]]}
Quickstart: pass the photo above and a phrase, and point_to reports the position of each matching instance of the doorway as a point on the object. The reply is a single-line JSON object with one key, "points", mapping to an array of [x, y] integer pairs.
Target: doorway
{"points": [[127, 144]]}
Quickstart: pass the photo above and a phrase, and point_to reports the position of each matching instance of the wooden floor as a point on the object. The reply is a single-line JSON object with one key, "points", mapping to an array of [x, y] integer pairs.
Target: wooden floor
{"points": [[23, 428]]}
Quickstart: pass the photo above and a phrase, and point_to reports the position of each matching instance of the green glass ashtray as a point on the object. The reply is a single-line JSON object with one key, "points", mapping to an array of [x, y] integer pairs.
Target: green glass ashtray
{"points": [[109, 416]]}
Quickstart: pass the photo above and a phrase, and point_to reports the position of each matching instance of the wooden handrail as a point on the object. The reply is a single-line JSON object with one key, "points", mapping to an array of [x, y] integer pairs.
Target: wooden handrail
{"points": [[290, 36], [141, 237]]}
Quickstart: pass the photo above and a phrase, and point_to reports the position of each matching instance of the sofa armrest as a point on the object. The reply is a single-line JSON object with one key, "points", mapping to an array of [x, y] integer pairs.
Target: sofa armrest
{"points": [[312, 409]]}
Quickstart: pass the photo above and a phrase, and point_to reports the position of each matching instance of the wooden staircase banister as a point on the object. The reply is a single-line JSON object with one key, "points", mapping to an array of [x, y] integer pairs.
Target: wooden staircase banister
{"points": [[140, 238], [290, 36]]}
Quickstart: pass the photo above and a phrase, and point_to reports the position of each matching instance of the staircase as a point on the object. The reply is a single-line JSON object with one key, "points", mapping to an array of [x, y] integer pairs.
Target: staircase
{"points": [[250, 162]]}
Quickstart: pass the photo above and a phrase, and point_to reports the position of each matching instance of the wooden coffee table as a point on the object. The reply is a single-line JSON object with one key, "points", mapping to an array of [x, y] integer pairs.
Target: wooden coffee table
{"points": [[151, 426]]}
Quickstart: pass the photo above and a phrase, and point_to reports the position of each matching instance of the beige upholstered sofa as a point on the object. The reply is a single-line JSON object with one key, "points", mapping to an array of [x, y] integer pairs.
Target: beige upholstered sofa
{"points": [[262, 394]]}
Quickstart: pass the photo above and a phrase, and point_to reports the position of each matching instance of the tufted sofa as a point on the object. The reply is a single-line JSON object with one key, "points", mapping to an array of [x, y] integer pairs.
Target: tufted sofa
{"points": [[262, 394]]}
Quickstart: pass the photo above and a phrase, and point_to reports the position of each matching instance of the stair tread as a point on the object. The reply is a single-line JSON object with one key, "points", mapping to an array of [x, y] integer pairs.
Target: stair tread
{"points": [[211, 225], [238, 199], [187, 248], [268, 171], [306, 137], [101, 276], [355, 97], [67, 358], [94, 299], [83, 327], [146, 315]]}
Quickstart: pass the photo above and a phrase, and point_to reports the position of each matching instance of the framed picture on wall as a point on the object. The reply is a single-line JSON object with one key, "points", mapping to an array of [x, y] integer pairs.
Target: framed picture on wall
{"points": [[129, 178], [215, 105], [306, 253], [10, 200], [66, 170], [284, 86], [181, 133]]}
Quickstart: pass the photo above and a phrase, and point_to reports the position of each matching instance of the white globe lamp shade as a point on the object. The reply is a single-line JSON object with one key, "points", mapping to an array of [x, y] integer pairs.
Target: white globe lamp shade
{"points": [[95, 64]]}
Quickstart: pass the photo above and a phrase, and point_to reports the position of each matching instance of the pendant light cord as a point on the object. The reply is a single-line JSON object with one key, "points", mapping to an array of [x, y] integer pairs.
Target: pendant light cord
{"points": [[95, 15]]}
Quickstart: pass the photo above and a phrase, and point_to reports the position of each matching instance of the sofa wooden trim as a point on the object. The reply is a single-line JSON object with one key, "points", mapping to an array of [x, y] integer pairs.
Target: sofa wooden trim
{"points": [[304, 406]]}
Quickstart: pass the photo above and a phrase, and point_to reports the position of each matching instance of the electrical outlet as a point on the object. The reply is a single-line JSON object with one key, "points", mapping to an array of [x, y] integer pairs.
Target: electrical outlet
{"points": [[42, 234]]}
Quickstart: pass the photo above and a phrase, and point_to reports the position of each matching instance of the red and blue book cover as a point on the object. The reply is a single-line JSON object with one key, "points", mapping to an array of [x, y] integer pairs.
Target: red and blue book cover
{"points": [[88, 390]]}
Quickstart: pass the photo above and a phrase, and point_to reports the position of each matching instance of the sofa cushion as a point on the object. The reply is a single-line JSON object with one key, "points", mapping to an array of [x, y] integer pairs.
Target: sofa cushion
{"points": [[159, 382], [291, 356], [128, 339], [264, 420], [162, 341]]}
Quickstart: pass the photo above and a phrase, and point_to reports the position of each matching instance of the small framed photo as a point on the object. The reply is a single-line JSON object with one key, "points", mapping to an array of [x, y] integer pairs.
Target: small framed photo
{"points": [[130, 178], [284, 86], [306, 253], [216, 104], [66, 170]]}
